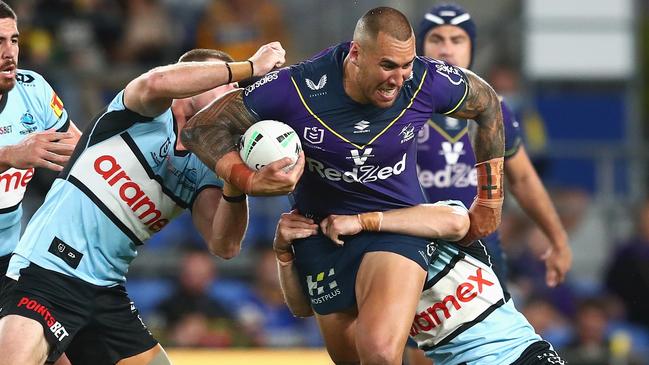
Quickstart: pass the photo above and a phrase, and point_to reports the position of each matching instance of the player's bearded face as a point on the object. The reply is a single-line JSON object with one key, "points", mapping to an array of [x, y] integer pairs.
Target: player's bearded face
{"points": [[385, 67], [8, 54]]}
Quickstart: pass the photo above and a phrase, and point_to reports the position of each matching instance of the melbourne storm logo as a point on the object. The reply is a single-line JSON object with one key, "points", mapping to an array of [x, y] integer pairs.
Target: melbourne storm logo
{"points": [[28, 122]]}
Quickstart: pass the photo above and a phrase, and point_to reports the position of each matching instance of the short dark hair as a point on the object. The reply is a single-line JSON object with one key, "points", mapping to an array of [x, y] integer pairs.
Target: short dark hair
{"points": [[203, 54], [6, 11], [383, 19]]}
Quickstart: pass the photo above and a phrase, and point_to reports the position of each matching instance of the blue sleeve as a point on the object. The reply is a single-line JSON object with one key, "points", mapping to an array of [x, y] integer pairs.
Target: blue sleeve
{"points": [[205, 178], [449, 86], [513, 139], [265, 98], [51, 112]]}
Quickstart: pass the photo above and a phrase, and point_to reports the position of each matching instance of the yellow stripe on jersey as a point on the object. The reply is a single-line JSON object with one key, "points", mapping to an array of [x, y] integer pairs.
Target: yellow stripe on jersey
{"points": [[466, 91], [446, 135], [375, 137], [57, 105]]}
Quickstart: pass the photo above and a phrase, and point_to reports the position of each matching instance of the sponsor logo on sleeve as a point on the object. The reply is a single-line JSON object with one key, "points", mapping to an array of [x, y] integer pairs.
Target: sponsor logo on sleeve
{"points": [[57, 105], [13, 184]]}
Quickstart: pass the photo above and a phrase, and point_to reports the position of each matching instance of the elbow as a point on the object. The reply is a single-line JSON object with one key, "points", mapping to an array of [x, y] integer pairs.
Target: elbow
{"points": [[458, 228], [153, 83], [225, 251]]}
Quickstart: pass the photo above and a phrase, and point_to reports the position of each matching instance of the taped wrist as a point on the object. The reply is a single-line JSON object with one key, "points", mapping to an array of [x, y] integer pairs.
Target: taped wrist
{"points": [[490, 183], [239, 70], [371, 221], [231, 169]]}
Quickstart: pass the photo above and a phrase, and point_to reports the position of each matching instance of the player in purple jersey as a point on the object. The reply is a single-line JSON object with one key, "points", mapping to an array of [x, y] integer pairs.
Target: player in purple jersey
{"points": [[49, 311], [358, 107]]}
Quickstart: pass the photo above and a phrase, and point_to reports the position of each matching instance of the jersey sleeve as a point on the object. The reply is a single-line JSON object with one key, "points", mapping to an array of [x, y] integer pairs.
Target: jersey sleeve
{"points": [[449, 86], [513, 139], [265, 98], [52, 112], [205, 178]]}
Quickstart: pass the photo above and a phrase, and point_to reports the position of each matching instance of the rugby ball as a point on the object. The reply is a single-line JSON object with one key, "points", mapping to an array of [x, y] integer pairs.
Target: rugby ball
{"points": [[267, 141]]}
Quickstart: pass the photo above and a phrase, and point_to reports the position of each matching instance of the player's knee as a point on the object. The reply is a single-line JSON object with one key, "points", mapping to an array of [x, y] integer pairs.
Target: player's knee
{"points": [[22, 341], [160, 358]]}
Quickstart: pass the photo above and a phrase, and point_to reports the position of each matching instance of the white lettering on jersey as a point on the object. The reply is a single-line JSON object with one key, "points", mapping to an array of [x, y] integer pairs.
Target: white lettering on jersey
{"points": [[466, 292], [13, 184], [452, 151], [361, 174], [459, 175], [120, 182]]}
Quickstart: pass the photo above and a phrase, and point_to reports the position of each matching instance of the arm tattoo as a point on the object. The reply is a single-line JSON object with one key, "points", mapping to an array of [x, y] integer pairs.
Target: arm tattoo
{"points": [[483, 106], [214, 131]]}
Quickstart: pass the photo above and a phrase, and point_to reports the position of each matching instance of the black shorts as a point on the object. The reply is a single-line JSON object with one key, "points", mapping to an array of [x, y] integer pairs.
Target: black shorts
{"points": [[67, 307], [5, 283], [328, 271], [539, 353]]}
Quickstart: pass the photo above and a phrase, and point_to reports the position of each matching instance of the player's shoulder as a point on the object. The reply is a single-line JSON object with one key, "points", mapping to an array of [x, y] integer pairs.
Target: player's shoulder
{"points": [[439, 69], [329, 59], [29, 79]]}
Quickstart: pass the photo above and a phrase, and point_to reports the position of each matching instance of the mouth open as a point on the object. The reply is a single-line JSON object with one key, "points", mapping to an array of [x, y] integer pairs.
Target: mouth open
{"points": [[8, 70], [387, 93]]}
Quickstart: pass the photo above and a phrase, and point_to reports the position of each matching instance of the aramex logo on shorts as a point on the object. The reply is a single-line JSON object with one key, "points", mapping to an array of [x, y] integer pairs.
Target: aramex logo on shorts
{"points": [[55, 326], [464, 293], [130, 192]]}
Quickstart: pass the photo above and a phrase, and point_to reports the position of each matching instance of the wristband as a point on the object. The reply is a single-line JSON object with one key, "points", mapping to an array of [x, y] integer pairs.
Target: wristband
{"points": [[252, 68], [231, 169], [240, 70], [371, 221], [227, 65], [234, 199]]}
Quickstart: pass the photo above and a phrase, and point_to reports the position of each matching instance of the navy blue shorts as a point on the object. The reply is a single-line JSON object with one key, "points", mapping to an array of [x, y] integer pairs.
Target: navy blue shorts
{"points": [[328, 271], [103, 321]]}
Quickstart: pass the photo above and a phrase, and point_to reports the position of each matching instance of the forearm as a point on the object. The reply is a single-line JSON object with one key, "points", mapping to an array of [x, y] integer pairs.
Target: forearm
{"points": [[428, 221], [294, 296], [214, 131], [229, 224], [5, 158]]}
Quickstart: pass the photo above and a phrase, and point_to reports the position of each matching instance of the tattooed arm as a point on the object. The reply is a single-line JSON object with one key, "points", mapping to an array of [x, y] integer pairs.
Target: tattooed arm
{"points": [[212, 135], [483, 106]]}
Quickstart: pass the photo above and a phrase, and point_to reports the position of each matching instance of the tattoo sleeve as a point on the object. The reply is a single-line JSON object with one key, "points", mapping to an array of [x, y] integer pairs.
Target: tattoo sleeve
{"points": [[214, 131], [483, 106]]}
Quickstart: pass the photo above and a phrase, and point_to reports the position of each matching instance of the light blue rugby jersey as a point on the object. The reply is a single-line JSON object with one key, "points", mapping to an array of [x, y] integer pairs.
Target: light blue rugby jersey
{"points": [[463, 315], [30, 107], [125, 181]]}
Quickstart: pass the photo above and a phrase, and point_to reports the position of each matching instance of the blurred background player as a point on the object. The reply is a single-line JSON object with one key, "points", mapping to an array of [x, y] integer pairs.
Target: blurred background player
{"points": [[463, 315], [368, 84], [35, 132], [131, 178]]}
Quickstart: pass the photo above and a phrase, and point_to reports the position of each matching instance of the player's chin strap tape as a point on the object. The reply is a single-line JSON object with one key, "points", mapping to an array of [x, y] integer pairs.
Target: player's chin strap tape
{"points": [[371, 221], [231, 169], [490, 183]]}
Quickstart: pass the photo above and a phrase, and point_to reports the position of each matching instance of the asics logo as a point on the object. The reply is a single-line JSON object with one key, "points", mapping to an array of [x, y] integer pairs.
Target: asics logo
{"points": [[130, 192]]}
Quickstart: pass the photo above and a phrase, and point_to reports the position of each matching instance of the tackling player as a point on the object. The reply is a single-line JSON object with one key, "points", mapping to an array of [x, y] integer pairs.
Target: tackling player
{"points": [[129, 178], [358, 107], [463, 316]]}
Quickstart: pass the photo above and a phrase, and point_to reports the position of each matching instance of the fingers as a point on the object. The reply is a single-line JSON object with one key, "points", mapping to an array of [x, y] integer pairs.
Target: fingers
{"points": [[278, 165], [58, 148], [551, 279], [51, 136], [48, 165], [298, 168], [55, 158]]}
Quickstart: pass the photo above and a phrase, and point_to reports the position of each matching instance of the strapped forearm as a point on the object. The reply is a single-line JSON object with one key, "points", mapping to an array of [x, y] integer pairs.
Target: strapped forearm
{"points": [[215, 130]]}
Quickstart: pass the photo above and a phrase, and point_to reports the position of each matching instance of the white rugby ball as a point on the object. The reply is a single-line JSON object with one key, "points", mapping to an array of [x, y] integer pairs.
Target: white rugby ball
{"points": [[267, 141]]}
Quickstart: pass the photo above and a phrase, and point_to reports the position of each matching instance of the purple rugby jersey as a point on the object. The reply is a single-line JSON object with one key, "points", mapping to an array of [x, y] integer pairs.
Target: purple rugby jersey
{"points": [[359, 157], [446, 158]]}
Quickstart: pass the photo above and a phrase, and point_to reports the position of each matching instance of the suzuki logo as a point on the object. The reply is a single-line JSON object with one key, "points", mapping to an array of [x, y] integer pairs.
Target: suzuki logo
{"points": [[321, 83], [452, 151], [313, 135], [362, 127], [360, 160]]}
